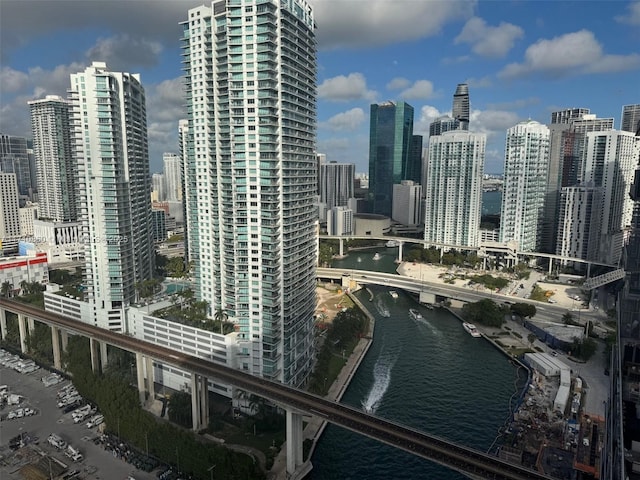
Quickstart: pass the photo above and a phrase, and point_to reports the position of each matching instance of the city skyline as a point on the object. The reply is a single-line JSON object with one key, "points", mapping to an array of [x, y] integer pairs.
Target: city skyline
{"points": [[520, 61]]}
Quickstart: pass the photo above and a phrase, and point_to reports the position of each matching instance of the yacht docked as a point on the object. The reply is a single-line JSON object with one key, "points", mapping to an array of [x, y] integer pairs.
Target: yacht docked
{"points": [[471, 329], [415, 314], [392, 243], [393, 294], [377, 256]]}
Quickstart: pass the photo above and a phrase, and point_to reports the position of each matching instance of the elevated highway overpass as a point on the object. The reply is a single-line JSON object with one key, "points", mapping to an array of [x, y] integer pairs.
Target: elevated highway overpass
{"points": [[473, 463]]}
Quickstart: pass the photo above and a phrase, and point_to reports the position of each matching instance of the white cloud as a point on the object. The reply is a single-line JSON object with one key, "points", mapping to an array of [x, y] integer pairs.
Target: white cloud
{"points": [[487, 41], [482, 82], [455, 60], [421, 89], [633, 17], [398, 83], [346, 121], [123, 52], [492, 122], [12, 80], [569, 54], [353, 24], [344, 88], [424, 118]]}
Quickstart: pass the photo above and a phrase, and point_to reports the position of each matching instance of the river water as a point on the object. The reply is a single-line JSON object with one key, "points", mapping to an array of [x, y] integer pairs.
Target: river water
{"points": [[430, 375]]}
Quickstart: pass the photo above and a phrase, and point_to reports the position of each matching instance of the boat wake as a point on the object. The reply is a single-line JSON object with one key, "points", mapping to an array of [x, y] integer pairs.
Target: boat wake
{"points": [[381, 380], [382, 307]]}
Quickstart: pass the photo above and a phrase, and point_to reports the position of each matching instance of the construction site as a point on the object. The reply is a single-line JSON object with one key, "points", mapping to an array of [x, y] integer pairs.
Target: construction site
{"points": [[550, 431]]}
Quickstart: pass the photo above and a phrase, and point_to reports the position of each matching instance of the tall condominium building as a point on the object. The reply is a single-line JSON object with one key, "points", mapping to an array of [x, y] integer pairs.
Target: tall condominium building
{"points": [[109, 125], [574, 220], [443, 124], [393, 153], [187, 174], [525, 184], [172, 177], [55, 165], [16, 156], [407, 203], [609, 163], [453, 190], [158, 187], [340, 221], [251, 75], [630, 120], [9, 213], [336, 182], [561, 122], [461, 108]]}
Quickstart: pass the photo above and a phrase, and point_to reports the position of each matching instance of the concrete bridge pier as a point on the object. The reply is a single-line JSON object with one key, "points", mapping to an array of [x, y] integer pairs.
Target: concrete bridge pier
{"points": [[150, 379], [31, 325], [550, 265], [294, 441], [103, 355], [22, 327], [341, 247], [199, 402], [588, 270], [140, 366], [3, 323], [55, 341], [94, 347], [64, 337], [400, 251]]}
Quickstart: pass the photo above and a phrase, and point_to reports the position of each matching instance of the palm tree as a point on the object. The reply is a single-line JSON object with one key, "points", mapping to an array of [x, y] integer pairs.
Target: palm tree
{"points": [[221, 316], [6, 289], [24, 287]]}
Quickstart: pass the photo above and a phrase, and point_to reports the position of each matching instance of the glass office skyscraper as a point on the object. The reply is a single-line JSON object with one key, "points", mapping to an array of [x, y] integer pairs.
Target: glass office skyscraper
{"points": [[394, 153], [250, 69]]}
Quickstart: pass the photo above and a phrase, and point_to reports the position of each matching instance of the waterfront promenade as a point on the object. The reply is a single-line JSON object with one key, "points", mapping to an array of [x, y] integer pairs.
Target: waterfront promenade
{"points": [[315, 426]]}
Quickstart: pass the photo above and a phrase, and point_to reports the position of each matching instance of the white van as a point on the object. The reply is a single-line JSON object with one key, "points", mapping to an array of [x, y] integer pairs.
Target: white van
{"points": [[95, 421]]}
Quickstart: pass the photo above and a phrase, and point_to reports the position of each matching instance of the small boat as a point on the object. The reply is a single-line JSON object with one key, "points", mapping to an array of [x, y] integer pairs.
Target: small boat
{"points": [[391, 244], [429, 306], [359, 259], [415, 314], [471, 329], [393, 294], [377, 256]]}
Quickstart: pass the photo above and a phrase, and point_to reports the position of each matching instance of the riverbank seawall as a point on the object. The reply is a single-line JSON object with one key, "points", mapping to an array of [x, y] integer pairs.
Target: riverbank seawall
{"points": [[314, 429]]}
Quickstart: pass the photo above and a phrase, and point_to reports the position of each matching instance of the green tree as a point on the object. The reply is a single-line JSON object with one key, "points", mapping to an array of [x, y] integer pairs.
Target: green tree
{"points": [[6, 289], [525, 310], [221, 316], [567, 319], [180, 409], [583, 349], [484, 312], [531, 338], [175, 267], [325, 254]]}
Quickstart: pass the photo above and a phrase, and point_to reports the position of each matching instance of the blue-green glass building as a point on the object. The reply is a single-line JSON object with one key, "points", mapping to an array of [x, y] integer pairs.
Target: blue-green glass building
{"points": [[394, 153]]}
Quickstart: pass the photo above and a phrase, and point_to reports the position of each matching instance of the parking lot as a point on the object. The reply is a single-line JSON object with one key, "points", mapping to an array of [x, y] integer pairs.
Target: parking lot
{"points": [[97, 462]]}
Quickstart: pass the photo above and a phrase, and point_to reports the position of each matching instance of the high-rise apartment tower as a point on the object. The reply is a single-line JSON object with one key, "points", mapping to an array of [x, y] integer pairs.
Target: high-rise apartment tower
{"points": [[110, 139], [251, 74], [55, 165], [453, 190], [461, 107], [525, 184], [630, 121]]}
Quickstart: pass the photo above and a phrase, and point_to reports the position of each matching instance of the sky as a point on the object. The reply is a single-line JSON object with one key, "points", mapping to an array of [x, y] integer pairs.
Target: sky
{"points": [[522, 60]]}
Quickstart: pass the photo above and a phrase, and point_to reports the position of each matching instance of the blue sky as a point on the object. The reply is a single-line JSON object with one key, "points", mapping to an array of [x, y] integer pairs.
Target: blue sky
{"points": [[522, 59]]}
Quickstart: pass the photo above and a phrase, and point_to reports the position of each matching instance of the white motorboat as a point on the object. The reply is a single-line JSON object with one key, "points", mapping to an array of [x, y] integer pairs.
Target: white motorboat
{"points": [[471, 329]]}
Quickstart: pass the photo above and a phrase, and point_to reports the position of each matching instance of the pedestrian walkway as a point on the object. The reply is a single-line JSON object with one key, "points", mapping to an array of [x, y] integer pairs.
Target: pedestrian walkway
{"points": [[316, 425]]}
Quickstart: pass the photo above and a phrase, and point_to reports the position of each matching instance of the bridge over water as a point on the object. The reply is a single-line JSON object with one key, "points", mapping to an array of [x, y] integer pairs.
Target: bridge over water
{"points": [[297, 403]]}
